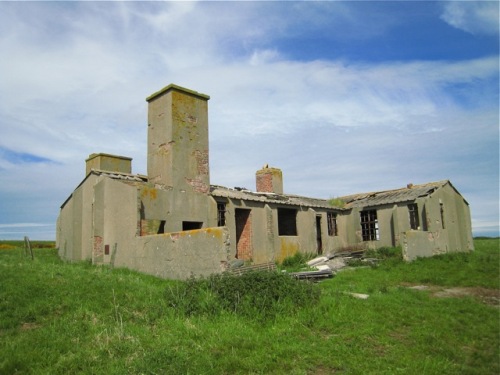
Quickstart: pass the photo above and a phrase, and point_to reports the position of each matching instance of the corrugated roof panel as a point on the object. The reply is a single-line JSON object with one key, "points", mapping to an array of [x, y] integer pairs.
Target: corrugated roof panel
{"points": [[392, 196], [294, 200]]}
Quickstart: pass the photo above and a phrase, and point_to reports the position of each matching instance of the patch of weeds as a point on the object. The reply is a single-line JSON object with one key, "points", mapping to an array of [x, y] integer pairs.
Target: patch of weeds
{"points": [[256, 295], [336, 202], [296, 262], [385, 253]]}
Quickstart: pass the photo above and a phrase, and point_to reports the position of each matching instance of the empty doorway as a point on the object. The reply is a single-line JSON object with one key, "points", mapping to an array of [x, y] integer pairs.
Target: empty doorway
{"points": [[243, 220]]}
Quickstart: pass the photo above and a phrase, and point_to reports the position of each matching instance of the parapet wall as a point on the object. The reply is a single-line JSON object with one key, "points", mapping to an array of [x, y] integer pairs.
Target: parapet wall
{"points": [[180, 255]]}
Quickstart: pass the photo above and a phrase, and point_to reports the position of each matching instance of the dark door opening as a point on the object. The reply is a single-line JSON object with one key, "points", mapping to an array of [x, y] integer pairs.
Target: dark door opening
{"points": [[243, 234], [319, 242]]}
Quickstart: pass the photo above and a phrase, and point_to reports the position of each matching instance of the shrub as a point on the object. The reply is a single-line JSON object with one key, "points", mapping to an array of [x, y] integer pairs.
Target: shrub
{"points": [[257, 295]]}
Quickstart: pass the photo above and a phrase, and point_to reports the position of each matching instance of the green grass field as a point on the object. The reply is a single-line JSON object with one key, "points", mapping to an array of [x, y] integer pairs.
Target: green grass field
{"points": [[60, 318]]}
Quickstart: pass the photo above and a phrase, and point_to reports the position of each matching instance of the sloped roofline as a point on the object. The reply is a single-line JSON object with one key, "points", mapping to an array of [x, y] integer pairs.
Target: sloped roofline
{"points": [[405, 194], [113, 175], [217, 191]]}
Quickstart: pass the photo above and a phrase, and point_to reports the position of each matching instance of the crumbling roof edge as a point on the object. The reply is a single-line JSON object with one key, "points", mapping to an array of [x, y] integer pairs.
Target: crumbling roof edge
{"points": [[431, 187], [98, 172], [274, 198]]}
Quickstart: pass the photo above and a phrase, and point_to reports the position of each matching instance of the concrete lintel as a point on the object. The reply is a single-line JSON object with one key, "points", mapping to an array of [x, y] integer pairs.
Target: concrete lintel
{"points": [[177, 88]]}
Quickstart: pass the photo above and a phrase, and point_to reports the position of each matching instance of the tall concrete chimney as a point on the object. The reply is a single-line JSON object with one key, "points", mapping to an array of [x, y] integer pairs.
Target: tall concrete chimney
{"points": [[269, 180], [178, 139]]}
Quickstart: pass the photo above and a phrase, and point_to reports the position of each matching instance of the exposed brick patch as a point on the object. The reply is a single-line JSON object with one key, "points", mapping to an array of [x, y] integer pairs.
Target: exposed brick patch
{"points": [[97, 247], [201, 161], [264, 183], [198, 185], [243, 234]]}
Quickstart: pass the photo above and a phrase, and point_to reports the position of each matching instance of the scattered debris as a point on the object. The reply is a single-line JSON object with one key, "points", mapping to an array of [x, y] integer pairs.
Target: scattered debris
{"points": [[323, 267], [313, 275], [317, 260], [270, 266], [236, 263], [359, 295]]}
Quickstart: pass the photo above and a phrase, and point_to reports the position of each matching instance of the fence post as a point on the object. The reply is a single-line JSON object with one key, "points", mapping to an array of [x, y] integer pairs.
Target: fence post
{"points": [[27, 245]]}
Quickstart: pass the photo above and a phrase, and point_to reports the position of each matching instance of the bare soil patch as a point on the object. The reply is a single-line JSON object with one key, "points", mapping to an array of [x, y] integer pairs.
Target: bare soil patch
{"points": [[485, 295], [29, 326]]}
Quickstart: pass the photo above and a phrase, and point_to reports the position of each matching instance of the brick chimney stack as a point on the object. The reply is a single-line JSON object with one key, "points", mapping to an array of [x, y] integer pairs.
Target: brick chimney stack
{"points": [[269, 180]]}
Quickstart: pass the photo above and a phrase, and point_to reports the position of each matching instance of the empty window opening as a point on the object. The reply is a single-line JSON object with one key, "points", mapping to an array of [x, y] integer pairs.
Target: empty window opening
{"points": [[331, 218], [191, 225], [287, 222], [161, 227], [413, 214], [369, 225], [441, 209], [221, 214]]}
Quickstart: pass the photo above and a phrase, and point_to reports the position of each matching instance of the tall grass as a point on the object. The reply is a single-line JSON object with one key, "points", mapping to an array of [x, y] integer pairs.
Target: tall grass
{"points": [[60, 318], [260, 296]]}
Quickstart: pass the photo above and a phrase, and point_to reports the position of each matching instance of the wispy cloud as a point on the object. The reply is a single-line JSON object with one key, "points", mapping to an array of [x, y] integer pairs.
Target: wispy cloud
{"points": [[20, 157], [475, 17]]}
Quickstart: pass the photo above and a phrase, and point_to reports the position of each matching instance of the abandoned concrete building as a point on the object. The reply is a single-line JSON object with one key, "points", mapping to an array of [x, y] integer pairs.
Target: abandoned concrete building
{"points": [[173, 223]]}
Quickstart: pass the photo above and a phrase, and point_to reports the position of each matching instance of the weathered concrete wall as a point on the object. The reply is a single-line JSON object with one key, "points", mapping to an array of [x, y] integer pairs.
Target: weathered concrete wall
{"points": [[447, 216], [113, 227], [64, 241], [115, 221], [74, 223], [417, 244], [180, 255], [267, 244], [432, 237]]}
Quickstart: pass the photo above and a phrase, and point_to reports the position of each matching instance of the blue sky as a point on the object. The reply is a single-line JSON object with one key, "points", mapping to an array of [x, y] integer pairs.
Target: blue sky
{"points": [[344, 97]]}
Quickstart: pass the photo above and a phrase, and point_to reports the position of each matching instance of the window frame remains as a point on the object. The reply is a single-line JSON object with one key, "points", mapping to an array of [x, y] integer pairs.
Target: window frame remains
{"points": [[413, 216], [369, 225], [331, 219], [221, 214]]}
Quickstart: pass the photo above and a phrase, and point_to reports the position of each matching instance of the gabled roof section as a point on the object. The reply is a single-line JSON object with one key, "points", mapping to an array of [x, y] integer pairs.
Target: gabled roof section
{"points": [[406, 194], [282, 199]]}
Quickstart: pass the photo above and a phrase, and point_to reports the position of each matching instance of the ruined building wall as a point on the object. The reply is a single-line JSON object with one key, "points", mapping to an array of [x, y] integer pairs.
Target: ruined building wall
{"points": [[73, 234], [448, 226]]}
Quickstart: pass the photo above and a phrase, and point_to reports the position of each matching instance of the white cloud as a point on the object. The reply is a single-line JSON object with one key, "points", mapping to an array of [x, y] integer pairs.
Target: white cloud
{"points": [[475, 17], [78, 85]]}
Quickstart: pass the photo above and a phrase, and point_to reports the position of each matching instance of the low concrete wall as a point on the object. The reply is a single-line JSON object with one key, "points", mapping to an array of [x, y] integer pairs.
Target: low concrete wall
{"points": [[418, 244], [180, 255]]}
